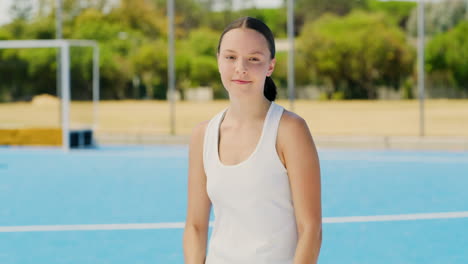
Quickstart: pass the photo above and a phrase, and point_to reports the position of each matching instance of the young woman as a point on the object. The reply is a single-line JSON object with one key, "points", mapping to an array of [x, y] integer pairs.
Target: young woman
{"points": [[256, 163]]}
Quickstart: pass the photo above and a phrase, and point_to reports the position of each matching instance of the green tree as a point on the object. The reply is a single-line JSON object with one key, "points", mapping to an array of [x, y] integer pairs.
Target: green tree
{"points": [[447, 57], [140, 15], [117, 44], [189, 14], [308, 10], [399, 11], [12, 71], [150, 62], [275, 18], [17, 29], [43, 28], [315, 8], [201, 48], [355, 53]]}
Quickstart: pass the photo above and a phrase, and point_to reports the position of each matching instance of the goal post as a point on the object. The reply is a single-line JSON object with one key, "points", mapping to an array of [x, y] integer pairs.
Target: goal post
{"points": [[65, 45]]}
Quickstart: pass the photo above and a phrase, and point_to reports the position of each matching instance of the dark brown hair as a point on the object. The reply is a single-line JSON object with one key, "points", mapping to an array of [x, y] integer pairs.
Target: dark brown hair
{"points": [[269, 89]]}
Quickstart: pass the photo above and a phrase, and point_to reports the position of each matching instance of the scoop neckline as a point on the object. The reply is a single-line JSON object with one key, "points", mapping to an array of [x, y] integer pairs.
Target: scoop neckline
{"points": [[218, 127]]}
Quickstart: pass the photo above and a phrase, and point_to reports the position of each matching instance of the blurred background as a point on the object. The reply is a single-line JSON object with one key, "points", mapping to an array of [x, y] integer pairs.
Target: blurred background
{"points": [[355, 64]]}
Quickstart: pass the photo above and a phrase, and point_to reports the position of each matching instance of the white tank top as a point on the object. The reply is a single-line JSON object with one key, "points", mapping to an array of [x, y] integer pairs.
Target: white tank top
{"points": [[254, 215]]}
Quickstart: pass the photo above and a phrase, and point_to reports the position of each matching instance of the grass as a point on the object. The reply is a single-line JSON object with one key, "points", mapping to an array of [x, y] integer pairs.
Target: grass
{"points": [[367, 118]]}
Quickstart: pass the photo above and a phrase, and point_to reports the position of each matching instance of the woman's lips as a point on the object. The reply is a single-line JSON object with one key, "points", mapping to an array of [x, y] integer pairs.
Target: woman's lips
{"points": [[241, 81]]}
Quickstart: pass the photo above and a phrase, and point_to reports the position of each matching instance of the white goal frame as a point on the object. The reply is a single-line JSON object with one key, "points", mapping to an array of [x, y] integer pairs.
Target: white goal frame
{"points": [[64, 45]]}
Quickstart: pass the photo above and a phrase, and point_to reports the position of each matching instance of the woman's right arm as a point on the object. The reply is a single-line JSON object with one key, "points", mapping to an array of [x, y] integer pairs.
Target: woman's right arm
{"points": [[198, 204]]}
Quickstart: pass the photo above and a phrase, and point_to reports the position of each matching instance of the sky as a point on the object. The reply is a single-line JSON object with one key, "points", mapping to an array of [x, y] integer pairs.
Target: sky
{"points": [[5, 6]]}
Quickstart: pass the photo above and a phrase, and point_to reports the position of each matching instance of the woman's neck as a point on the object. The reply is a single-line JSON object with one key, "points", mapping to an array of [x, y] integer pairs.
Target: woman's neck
{"points": [[243, 111]]}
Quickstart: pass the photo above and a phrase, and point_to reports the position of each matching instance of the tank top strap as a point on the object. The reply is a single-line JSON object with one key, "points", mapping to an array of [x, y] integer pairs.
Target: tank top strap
{"points": [[210, 144], [271, 128]]}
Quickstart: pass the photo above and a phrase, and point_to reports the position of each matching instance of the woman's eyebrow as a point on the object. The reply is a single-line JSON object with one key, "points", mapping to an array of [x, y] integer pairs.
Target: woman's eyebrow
{"points": [[253, 52], [257, 52]]}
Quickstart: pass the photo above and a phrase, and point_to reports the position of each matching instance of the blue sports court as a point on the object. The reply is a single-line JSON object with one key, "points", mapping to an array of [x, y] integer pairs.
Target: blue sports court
{"points": [[124, 205]]}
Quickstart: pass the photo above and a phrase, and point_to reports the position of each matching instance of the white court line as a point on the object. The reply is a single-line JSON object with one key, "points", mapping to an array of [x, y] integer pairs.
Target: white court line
{"points": [[400, 159], [401, 217], [180, 225], [90, 227]]}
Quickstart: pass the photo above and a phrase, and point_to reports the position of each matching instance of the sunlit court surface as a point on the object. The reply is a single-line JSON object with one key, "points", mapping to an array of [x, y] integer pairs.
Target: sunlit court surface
{"points": [[127, 205]]}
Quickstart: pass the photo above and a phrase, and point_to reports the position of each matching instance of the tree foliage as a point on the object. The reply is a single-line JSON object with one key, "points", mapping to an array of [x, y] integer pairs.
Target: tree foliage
{"points": [[312, 9], [201, 47], [399, 11], [447, 56], [355, 53], [350, 46]]}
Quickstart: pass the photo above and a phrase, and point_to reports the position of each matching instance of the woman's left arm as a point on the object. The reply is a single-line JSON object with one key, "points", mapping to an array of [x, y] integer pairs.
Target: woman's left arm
{"points": [[302, 163]]}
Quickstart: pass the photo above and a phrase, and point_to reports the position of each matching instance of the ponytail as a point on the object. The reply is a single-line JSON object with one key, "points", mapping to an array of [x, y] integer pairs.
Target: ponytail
{"points": [[269, 89]]}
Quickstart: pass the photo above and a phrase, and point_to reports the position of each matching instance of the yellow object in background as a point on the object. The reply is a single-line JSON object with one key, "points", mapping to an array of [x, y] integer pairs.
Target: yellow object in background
{"points": [[31, 136]]}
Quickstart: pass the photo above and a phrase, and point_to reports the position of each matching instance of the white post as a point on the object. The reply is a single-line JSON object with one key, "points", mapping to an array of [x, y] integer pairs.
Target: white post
{"points": [[421, 65], [466, 9], [170, 68], [65, 70], [291, 75], [58, 35], [58, 19], [96, 94]]}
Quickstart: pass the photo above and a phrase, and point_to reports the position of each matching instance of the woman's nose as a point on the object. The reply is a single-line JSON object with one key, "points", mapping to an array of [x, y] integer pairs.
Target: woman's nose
{"points": [[241, 67]]}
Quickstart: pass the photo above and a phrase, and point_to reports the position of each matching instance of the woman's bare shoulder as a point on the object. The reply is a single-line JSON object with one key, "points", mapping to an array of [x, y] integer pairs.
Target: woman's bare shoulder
{"points": [[200, 127], [293, 131], [198, 133], [293, 123]]}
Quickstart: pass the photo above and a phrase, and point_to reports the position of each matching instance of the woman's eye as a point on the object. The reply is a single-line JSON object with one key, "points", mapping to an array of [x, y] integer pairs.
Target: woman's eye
{"points": [[254, 59], [230, 57]]}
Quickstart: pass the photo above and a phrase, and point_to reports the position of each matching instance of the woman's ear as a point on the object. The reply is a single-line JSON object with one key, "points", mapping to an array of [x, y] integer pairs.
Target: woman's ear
{"points": [[271, 67]]}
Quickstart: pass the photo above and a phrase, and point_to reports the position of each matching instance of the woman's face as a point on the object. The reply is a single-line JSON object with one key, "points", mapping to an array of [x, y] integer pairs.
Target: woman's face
{"points": [[244, 62]]}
